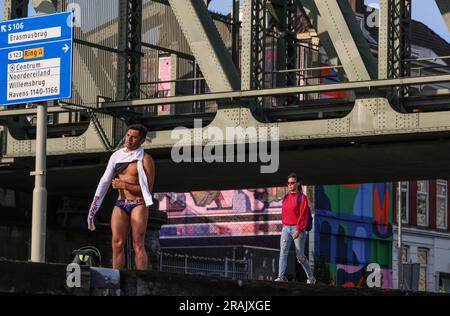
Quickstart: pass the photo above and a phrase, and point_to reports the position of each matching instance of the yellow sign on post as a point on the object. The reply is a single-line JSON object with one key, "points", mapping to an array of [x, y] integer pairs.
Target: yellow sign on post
{"points": [[33, 53]]}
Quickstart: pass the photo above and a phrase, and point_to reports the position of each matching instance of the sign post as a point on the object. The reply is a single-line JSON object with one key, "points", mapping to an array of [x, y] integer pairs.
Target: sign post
{"points": [[36, 66], [39, 220]]}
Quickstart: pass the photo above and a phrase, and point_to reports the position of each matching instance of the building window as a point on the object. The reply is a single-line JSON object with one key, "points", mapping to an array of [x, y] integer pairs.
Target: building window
{"points": [[422, 203], [444, 282], [422, 255], [405, 254], [404, 201], [441, 204]]}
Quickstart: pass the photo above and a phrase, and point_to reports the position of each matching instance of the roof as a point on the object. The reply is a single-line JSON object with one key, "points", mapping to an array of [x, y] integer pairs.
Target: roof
{"points": [[423, 36]]}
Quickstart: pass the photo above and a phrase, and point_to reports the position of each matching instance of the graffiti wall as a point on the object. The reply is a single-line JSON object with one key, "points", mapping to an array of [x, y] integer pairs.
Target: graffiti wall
{"points": [[353, 228], [222, 213]]}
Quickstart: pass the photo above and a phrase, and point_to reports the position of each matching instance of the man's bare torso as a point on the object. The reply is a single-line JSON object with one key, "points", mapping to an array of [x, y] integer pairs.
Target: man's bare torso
{"points": [[129, 175]]}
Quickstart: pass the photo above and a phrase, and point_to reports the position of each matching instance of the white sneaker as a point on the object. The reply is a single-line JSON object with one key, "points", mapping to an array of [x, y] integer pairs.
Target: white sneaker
{"points": [[280, 280], [311, 280]]}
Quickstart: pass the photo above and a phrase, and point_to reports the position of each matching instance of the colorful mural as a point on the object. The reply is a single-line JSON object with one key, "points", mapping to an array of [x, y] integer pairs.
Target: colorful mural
{"points": [[353, 228], [223, 213], [229, 229]]}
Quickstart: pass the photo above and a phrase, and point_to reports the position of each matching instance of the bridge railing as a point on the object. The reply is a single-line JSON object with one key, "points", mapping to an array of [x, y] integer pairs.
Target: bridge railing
{"points": [[207, 266], [428, 97]]}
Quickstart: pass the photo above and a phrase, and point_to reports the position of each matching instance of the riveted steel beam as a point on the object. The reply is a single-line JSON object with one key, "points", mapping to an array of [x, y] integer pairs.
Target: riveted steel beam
{"points": [[130, 21], [383, 40], [341, 37], [236, 95], [206, 44], [394, 48], [253, 44]]}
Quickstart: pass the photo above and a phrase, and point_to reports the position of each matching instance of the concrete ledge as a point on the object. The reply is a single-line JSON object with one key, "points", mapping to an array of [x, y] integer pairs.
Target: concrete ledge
{"points": [[29, 278], [139, 283], [26, 278]]}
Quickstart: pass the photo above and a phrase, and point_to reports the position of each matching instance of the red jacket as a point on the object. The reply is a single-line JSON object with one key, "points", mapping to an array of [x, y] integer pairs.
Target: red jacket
{"points": [[292, 213]]}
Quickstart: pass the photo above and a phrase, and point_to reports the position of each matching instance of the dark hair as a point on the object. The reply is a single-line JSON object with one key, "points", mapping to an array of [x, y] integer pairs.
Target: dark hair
{"points": [[139, 127], [293, 175]]}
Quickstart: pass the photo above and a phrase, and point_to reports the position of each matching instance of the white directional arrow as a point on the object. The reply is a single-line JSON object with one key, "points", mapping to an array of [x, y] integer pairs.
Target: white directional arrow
{"points": [[65, 48], [3, 28]]}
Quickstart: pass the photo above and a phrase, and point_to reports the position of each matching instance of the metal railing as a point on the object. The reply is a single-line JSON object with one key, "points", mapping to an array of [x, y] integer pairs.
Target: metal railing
{"points": [[213, 267]]}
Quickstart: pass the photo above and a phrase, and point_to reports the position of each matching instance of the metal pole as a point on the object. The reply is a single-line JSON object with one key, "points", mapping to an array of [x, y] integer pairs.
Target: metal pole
{"points": [[234, 262], [235, 33], [38, 230], [226, 267], [399, 225]]}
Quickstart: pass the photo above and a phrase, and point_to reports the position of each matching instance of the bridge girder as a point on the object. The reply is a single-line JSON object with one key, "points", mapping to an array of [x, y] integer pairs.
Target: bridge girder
{"points": [[206, 44], [371, 121], [342, 37]]}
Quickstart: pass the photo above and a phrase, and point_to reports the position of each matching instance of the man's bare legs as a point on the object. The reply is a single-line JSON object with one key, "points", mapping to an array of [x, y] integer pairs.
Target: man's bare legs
{"points": [[120, 227], [139, 219]]}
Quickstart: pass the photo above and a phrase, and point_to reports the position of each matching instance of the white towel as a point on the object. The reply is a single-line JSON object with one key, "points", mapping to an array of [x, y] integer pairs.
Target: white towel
{"points": [[120, 156]]}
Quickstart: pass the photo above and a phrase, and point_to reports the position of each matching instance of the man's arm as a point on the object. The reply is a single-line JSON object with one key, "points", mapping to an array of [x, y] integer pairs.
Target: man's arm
{"points": [[122, 185], [149, 168], [100, 192]]}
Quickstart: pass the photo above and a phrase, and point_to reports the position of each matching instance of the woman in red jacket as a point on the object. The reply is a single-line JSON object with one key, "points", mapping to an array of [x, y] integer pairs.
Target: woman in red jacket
{"points": [[294, 217]]}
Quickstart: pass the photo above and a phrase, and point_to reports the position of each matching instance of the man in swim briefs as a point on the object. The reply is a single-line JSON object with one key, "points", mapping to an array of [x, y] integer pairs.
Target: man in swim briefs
{"points": [[131, 172]]}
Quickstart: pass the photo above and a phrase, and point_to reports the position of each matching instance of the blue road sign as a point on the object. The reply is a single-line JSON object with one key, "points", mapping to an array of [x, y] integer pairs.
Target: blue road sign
{"points": [[36, 58]]}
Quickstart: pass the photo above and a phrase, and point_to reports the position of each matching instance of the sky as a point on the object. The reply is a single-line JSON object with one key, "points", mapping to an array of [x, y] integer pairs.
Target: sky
{"points": [[425, 11]]}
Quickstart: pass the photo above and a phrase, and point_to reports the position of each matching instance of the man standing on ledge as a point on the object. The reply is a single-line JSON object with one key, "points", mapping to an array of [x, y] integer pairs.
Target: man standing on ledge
{"points": [[294, 217], [132, 173]]}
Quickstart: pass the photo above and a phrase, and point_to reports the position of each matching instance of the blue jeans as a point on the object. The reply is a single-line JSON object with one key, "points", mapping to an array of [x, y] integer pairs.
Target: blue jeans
{"points": [[285, 244]]}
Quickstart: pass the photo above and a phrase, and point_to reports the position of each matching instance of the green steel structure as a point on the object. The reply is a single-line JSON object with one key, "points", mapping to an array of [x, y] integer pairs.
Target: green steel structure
{"points": [[166, 63]]}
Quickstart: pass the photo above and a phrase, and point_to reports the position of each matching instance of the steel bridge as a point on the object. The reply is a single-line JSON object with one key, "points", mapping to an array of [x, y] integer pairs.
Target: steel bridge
{"points": [[167, 63]]}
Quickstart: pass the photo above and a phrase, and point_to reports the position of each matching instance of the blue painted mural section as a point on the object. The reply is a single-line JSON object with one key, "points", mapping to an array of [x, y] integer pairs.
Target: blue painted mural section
{"points": [[353, 228]]}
